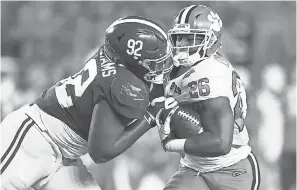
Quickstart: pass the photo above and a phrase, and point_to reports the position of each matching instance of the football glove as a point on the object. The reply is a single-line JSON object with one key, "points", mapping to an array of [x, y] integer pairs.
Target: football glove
{"points": [[164, 128], [156, 105]]}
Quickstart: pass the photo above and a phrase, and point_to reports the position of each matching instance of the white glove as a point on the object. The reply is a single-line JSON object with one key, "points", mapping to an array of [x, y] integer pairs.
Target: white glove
{"points": [[169, 102], [156, 105], [168, 140], [164, 129]]}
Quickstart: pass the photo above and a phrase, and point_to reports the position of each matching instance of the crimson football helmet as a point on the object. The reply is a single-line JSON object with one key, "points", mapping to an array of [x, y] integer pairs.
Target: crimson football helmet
{"points": [[141, 45], [202, 28]]}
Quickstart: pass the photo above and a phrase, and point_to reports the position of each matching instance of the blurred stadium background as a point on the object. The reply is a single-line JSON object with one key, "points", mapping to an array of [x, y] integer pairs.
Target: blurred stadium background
{"points": [[43, 42]]}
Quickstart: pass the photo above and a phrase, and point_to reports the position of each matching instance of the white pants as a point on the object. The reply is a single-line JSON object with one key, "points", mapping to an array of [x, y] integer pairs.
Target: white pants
{"points": [[31, 159]]}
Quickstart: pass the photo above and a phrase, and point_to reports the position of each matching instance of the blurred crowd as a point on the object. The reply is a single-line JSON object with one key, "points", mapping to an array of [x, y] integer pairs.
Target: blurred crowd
{"points": [[43, 42]]}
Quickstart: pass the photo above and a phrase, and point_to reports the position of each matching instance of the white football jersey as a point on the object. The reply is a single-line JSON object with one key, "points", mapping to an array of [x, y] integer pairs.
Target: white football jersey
{"points": [[212, 78]]}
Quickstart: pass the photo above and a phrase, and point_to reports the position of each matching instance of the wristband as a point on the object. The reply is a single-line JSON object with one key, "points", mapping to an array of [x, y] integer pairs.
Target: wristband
{"points": [[176, 145]]}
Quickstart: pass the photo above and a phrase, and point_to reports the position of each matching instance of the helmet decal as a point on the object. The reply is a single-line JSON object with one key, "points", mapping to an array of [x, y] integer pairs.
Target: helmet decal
{"points": [[216, 22]]}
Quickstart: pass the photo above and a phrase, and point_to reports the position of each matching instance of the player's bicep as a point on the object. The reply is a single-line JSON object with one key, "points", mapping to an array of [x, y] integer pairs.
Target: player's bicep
{"points": [[217, 118], [105, 129]]}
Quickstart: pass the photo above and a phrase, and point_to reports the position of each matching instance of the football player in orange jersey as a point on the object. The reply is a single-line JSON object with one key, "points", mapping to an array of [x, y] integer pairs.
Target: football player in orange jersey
{"points": [[101, 110], [219, 157]]}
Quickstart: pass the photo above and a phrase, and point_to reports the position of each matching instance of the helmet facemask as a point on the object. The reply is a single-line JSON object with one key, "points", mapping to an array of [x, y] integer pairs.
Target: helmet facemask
{"points": [[158, 68], [199, 41]]}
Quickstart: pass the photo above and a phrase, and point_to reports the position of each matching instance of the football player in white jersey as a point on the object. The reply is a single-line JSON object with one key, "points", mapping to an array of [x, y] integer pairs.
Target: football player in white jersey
{"points": [[219, 157], [101, 110]]}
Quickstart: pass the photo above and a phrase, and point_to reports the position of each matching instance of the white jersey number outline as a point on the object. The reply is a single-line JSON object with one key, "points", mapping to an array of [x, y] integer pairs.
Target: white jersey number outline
{"points": [[77, 84]]}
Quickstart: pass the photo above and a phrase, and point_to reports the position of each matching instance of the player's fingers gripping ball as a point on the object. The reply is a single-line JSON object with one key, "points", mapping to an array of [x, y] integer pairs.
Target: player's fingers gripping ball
{"points": [[164, 125], [163, 102], [182, 121], [160, 103]]}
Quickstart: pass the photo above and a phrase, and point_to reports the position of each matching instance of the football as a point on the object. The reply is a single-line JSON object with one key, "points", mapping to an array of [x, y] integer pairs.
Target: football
{"points": [[184, 122]]}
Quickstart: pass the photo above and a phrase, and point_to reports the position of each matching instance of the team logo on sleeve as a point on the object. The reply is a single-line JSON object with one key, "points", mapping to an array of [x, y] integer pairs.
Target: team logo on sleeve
{"points": [[132, 95], [132, 91]]}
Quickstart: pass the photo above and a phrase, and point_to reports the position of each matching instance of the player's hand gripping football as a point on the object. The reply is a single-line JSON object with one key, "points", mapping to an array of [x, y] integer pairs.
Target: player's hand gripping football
{"points": [[169, 107], [157, 105]]}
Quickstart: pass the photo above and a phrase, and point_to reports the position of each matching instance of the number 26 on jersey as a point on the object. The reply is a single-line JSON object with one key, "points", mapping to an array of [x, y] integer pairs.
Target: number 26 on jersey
{"points": [[199, 88]]}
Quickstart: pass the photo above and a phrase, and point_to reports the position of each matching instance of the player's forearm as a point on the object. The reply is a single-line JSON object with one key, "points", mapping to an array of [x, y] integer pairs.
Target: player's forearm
{"points": [[129, 136], [132, 134], [206, 144]]}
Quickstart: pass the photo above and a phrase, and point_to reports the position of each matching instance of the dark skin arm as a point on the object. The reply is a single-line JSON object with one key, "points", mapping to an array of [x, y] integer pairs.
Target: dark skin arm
{"points": [[218, 124], [108, 136]]}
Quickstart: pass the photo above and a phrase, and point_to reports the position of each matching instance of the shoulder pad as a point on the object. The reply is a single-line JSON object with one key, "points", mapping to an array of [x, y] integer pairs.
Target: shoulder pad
{"points": [[212, 67], [130, 96], [209, 79]]}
